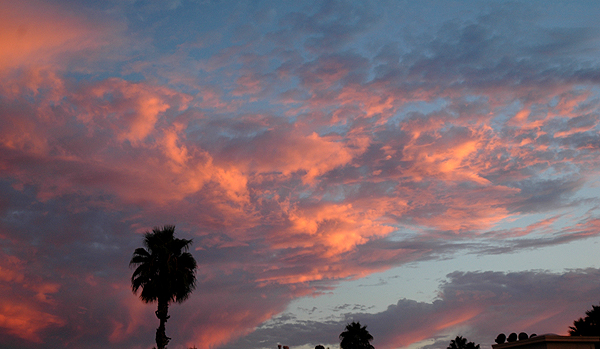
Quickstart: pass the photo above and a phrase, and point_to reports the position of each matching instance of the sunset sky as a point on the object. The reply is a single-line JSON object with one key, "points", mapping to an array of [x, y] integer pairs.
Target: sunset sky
{"points": [[428, 168]]}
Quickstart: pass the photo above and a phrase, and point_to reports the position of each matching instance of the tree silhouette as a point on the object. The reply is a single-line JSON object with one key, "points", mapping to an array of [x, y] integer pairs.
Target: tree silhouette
{"points": [[587, 326], [461, 343], [165, 272], [355, 336]]}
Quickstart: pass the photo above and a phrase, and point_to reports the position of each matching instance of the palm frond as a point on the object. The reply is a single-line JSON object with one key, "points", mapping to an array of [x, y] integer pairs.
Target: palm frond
{"points": [[164, 268]]}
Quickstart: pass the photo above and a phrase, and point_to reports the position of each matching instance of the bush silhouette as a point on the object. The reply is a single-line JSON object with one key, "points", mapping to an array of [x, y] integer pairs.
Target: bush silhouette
{"points": [[587, 326]]}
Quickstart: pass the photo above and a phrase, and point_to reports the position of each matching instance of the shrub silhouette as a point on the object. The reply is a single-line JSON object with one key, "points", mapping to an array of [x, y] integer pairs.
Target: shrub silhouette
{"points": [[587, 326]]}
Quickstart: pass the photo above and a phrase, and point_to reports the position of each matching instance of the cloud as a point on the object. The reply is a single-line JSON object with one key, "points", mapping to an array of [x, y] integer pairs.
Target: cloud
{"points": [[476, 305], [313, 150], [36, 33], [330, 26], [114, 117], [26, 307], [286, 152]]}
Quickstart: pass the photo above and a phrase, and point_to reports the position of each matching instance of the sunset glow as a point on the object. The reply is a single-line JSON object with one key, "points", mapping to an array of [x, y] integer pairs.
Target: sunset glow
{"points": [[317, 153]]}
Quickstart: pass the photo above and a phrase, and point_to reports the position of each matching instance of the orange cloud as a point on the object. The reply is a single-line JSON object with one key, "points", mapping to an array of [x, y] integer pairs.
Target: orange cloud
{"points": [[446, 156], [23, 300], [456, 317], [573, 131], [139, 115], [288, 153], [569, 102], [334, 228], [12, 270], [137, 314], [283, 198], [37, 33], [248, 84], [369, 101], [132, 110], [218, 319], [25, 321]]}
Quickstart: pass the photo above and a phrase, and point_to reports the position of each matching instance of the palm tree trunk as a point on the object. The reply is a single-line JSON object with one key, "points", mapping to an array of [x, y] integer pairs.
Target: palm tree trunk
{"points": [[162, 314]]}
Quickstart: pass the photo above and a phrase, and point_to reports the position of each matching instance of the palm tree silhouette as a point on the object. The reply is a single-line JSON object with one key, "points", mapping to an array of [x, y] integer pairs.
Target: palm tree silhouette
{"points": [[461, 343], [165, 271], [356, 336]]}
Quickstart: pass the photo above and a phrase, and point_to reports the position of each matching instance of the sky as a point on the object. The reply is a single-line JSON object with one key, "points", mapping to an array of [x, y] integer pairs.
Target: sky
{"points": [[427, 168]]}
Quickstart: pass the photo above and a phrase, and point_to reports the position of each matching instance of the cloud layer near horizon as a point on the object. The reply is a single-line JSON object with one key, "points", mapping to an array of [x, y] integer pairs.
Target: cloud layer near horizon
{"points": [[476, 305], [299, 147]]}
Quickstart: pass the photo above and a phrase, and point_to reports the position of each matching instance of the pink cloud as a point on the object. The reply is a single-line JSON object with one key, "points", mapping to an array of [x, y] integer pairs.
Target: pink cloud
{"points": [[137, 115], [286, 152], [130, 110], [26, 322], [37, 33], [286, 193], [27, 304], [476, 305], [135, 320], [480, 311]]}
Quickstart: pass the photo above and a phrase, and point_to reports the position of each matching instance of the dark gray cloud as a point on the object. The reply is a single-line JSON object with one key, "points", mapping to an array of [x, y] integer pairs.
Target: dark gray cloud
{"points": [[477, 305]]}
